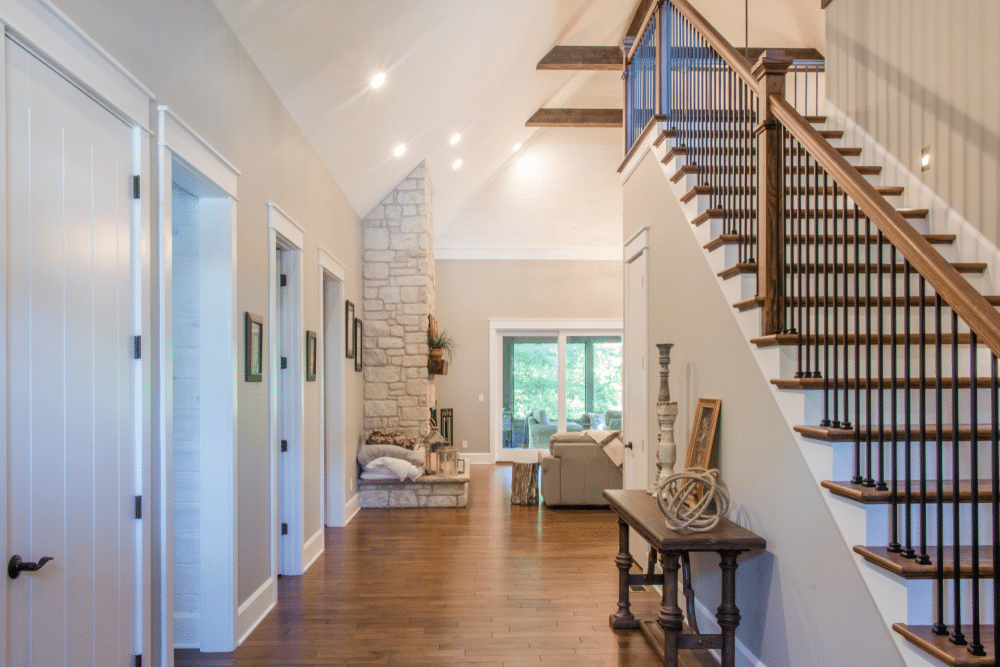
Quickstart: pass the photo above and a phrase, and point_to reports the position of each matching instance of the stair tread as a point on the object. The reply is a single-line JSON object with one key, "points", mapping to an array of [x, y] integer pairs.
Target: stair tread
{"points": [[867, 495], [818, 383], [734, 239], [742, 268], [908, 213], [663, 136], [831, 434], [689, 169], [909, 568], [884, 190], [940, 647], [758, 302], [793, 339], [847, 151]]}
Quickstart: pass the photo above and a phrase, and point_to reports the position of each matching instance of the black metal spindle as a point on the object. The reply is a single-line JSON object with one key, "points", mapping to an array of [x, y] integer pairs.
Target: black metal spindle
{"points": [[826, 298], [824, 274], [995, 487], [881, 486], [834, 239], [804, 215], [857, 479], [846, 423], [894, 546], [957, 636], [976, 645], [923, 558], [908, 551], [869, 265], [940, 628], [799, 263]]}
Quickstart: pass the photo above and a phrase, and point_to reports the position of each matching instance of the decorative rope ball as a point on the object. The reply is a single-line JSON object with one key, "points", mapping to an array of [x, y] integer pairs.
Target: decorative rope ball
{"points": [[677, 495]]}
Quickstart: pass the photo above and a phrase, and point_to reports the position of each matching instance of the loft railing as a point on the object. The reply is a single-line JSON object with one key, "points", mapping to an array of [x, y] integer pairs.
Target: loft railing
{"points": [[902, 346]]}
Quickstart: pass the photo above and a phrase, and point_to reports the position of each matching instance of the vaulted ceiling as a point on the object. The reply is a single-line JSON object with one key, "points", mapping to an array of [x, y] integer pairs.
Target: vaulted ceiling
{"points": [[454, 66]]}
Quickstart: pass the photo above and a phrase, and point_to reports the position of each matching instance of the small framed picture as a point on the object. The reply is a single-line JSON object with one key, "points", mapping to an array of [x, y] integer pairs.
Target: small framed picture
{"points": [[706, 419], [254, 347], [359, 347], [350, 344], [310, 356]]}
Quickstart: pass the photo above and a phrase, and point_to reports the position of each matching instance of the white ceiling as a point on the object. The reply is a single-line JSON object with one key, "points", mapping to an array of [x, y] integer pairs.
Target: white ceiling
{"points": [[466, 67]]}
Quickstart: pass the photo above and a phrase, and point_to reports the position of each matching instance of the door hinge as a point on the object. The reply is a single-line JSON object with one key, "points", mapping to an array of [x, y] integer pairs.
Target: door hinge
{"points": [[284, 445], [284, 529], [137, 348], [138, 507], [284, 362], [135, 187], [284, 280]]}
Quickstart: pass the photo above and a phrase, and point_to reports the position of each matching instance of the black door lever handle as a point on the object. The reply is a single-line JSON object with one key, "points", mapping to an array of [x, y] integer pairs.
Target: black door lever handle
{"points": [[628, 445], [15, 566]]}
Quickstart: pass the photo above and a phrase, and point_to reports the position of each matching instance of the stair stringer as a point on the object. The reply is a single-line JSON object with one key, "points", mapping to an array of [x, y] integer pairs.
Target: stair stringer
{"points": [[888, 593]]}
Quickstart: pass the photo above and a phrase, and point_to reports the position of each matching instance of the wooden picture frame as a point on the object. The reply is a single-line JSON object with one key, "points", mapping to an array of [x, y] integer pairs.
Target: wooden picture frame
{"points": [[706, 420], [310, 356], [350, 344], [359, 347], [253, 343]]}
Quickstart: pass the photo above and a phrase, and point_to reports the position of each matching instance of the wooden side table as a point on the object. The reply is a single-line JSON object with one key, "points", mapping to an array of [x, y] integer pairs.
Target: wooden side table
{"points": [[639, 510]]}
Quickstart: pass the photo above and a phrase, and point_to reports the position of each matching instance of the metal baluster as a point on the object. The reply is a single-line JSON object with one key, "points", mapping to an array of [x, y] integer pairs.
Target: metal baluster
{"points": [[881, 486], [923, 558], [804, 215], [846, 423], [995, 487], [799, 264], [908, 551], [869, 482], [825, 269], [957, 636], [826, 297], [836, 422], [894, 546], [976, 645], [857, 345], [939, 626]]}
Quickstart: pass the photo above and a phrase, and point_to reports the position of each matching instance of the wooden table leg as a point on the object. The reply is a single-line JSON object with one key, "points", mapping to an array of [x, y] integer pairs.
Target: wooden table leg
{"points": [[728, 615], [623, 618], [670, 618]]}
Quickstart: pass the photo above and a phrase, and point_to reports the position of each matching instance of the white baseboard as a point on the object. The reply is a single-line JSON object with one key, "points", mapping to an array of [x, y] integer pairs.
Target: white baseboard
{"points": [[253, 611], [187, 633], [477, 459], [351, 508], [312, 549], [708, 625]]}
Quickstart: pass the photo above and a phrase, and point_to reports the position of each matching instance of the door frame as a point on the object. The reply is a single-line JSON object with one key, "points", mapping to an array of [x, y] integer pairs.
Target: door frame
{"points": [[561, 329], [52, 37], [636, 249], [289, 236], [332, 369], [212, 178]]}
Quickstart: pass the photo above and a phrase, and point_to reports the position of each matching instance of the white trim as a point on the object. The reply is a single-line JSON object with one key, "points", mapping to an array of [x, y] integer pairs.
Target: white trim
{"points": [[4, 350], [500, 327], [544, 254], [313, 548], [640, 152], [255, 609], [477, 459], [46, 31], [352, 507], [178, 136], [333, 511], [636, 244], [332, 265], [285, 233], [283, 223]]}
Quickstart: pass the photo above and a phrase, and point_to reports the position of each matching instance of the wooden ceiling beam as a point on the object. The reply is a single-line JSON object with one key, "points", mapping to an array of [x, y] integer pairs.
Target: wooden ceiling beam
{"points": [[576, 118], [597, 58]]}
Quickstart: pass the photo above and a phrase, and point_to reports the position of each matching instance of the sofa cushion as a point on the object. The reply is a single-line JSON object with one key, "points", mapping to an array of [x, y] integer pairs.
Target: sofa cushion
{"points": [[539, 416]]}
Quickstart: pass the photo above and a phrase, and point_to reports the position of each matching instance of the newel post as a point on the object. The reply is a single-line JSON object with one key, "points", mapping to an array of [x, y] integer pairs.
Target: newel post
{"points": [[769, 72]]}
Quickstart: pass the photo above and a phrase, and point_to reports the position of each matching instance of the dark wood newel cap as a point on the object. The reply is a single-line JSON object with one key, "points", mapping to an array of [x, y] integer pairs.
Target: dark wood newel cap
{"points": [[772, 61]]}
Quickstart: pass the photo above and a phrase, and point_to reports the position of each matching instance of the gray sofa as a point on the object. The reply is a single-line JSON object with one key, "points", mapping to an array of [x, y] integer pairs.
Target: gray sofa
{"points": [[540, 429], [577, 471]]}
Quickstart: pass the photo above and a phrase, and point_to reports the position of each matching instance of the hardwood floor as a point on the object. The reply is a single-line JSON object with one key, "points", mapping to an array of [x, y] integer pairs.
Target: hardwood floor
{"points": [[491, 585]]}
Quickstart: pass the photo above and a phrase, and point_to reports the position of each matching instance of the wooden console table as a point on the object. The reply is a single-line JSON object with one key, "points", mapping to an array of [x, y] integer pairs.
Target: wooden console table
{"points": [[639, 510]]}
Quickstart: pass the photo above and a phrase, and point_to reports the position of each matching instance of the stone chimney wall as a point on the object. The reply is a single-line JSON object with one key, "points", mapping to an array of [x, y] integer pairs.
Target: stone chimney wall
{"points": [[398, 281]]}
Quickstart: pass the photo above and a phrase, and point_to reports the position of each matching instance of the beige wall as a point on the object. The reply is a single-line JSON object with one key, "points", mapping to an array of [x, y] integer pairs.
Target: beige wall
{"points": [[471, 292], [918, 73], [801, 598], [187, 55]]}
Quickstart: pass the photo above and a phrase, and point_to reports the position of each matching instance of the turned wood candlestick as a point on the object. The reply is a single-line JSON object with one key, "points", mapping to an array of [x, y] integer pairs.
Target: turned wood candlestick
{"points": [[666, 415]]}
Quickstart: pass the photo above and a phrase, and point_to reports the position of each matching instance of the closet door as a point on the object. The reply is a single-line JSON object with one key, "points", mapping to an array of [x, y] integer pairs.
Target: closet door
{"points": [[71, 426]]}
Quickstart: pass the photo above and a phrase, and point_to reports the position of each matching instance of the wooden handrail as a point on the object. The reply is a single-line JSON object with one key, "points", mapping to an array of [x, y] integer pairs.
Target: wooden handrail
{"points": [[963, 299], [650, 13]]}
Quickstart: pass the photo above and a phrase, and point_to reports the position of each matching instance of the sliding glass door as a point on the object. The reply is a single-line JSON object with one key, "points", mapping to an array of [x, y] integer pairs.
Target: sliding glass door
{"points": [[553, 379]]}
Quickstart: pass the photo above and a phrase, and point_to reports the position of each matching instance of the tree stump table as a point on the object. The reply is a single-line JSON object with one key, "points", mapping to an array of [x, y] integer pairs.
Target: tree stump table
{"points": [[524, 484]]}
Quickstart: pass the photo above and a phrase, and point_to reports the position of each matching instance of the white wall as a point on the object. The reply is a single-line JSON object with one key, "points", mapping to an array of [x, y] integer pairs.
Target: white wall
{"points": [[804, 596], [187, 55], [469, 293], [916, 73]]}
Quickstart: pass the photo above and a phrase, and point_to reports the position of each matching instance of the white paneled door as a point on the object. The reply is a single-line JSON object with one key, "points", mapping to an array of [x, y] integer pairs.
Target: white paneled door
{"points": [[70, 385]]}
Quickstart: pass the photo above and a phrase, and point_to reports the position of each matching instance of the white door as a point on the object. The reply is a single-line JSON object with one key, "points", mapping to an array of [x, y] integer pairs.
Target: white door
{"points": [[71, 428], [636, 336]]}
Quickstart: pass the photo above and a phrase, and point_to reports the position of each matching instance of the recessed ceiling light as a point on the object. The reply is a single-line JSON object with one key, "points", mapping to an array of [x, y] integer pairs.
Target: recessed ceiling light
{"points": [[456, 164], [400, 149], [455, 138], [517, 147], [378, 80]]}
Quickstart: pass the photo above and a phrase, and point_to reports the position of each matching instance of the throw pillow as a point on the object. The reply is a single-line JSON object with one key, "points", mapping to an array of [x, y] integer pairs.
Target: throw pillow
{"points": [[368, 453]]}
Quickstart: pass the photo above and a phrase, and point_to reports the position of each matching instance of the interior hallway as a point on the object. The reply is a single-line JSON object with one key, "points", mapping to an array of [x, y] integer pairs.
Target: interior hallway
{"points": [[490, 586]]}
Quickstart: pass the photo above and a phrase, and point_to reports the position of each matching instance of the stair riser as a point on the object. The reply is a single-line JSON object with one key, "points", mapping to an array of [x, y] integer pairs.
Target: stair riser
{"points": [[717, 228], [843, 461], [789, 362], [878, 527], [813, 403], [921, 603]]}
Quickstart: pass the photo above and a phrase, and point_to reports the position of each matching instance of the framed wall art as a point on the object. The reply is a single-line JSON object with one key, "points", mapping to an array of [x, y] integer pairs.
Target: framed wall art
{"points": [[350, 344], [706, 420], [310, 356], [358, 346], [253, 334]]}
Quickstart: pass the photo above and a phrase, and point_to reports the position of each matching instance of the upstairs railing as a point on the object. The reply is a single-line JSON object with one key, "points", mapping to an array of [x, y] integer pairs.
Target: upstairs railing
{"points": [[901, 363]]}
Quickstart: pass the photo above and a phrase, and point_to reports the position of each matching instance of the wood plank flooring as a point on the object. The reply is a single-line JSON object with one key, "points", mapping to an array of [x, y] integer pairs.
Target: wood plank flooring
{"points": [[490, 585]]}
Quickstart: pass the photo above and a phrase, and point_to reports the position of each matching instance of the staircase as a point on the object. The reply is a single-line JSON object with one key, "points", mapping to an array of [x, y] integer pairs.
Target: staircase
{"points": [[892, 346]]}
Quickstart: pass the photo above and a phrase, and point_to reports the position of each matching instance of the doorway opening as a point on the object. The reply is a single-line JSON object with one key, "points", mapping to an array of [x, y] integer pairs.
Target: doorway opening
{"points": [[336, 474]]}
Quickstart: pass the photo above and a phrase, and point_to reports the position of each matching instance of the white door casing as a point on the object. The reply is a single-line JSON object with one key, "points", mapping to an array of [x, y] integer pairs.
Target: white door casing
{"points": [[332, 371], [74, 403]]}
